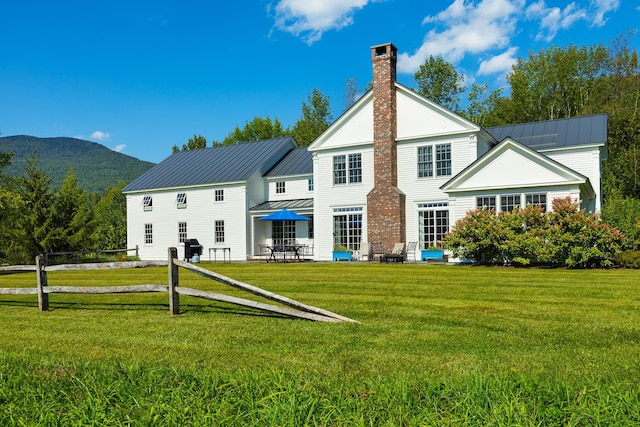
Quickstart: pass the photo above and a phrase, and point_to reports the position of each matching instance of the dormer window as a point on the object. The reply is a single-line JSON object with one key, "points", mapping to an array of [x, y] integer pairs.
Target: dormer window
{"points": [[181, 200], [147, 203]]}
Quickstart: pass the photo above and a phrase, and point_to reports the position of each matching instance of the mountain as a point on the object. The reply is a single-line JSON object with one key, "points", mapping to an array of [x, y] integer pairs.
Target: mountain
{"points": [[96, 166]]}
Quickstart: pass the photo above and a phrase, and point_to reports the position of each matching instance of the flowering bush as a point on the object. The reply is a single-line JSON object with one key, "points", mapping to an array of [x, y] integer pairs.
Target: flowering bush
{"points": [[566, 236]]}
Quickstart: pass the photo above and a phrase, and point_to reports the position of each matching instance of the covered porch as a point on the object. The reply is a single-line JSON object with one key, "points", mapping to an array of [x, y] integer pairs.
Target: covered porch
{"points": [[282, 239]]}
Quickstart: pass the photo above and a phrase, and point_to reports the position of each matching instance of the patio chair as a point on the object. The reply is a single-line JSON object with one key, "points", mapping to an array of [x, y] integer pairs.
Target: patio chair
{"points": [[377, 249], [411, 250], [398, 253], [266, 251], [365, 251]]}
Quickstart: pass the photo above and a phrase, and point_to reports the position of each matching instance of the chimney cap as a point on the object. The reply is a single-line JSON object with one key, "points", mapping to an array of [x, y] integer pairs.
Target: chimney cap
{"points": [[378, 47]]}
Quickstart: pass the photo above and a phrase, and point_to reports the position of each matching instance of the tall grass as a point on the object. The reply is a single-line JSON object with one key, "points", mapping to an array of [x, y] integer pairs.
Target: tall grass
{"points": [[437, 345]]}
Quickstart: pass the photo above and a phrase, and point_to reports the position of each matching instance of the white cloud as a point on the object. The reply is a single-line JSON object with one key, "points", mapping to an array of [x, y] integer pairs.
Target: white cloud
{"points": [[100, 136], [467, 28], [499, 64], [553, 19], [602, 7], [309, 19], [119, 148]]}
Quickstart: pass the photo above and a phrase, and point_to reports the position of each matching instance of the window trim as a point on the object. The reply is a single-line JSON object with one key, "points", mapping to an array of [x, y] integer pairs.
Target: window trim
{"points": [[148, 234], [516, 204], [340, 169], [531, 196], [439, 230], [181, 200], [491, 206], [182, 231], [147, 203], [218, 231], [435, 162], [425, 161]]}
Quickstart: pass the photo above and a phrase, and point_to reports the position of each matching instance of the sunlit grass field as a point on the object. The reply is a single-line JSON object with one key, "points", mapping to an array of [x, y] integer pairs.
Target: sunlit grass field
{"points": [[436, 345]]}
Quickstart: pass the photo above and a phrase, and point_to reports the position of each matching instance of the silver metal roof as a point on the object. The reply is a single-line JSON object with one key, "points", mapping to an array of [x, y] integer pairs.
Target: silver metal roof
{"points": [[225, 163], [586, 130], [297, 162], [276, 205]]}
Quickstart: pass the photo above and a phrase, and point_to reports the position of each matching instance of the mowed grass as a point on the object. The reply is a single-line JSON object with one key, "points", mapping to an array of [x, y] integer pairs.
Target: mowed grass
{"points": [[435, 345]]}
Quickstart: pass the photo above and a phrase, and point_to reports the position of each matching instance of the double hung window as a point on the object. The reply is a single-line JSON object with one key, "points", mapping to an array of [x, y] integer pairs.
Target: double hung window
{"points": [[219, 195], [350, 166], [148, 234], [182, 232], [219, 231], [438, 165], [280, 187]]}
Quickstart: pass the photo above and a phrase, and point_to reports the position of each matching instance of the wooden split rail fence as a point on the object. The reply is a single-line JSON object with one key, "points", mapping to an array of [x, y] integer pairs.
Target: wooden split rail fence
{"points": [[43, 290]]}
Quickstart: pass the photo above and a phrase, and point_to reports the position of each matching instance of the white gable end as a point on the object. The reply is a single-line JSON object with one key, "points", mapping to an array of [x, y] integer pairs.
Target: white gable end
{"points": [[512, 165], [418, 117], [511, 169], [355, 127]]}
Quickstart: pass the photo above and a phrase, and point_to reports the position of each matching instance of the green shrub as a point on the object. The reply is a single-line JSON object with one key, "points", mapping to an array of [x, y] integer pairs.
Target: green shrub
{"points": [[629, 259], [566, 236]]}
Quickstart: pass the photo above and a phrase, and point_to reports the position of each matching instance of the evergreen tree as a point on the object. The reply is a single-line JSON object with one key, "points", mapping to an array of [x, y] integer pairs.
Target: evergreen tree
{"points": [[111, 219]]}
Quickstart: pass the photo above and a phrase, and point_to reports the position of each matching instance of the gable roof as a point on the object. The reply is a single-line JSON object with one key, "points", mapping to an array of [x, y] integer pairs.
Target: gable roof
{"points": [[519, 166], [220, 164], [553, 134], [417, 117], [298, 162]]}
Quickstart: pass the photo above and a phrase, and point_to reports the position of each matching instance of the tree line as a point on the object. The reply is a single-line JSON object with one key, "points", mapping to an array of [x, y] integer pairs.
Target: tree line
{"points": [[34, 217]]}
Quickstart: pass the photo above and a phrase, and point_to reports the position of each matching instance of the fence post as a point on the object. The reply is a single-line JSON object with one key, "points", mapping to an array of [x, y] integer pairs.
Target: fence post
{"points": [[137, 251], [174, 297], [43, 298]]}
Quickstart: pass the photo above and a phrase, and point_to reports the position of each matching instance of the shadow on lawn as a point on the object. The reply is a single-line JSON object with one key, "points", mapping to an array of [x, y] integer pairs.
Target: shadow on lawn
{"points": [[142, 307]]}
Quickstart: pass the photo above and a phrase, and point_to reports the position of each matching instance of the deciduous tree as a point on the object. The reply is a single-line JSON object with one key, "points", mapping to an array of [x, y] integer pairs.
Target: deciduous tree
{"points": [[439, 81], [316, 118]]}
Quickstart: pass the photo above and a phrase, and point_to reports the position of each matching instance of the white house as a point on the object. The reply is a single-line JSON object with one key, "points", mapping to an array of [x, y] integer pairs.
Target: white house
{"points": [[395, 167]]}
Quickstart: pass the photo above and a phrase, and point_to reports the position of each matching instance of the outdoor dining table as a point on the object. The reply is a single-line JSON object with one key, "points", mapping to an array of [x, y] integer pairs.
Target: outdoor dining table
{"points": [[292, 248]]}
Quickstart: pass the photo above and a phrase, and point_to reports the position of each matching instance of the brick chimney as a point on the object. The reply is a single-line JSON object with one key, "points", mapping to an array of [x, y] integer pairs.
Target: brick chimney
{"points": [[385, 203]]}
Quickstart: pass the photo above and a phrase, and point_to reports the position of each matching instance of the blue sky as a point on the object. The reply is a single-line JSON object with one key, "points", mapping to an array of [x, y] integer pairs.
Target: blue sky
{"points": [[141, 76]]}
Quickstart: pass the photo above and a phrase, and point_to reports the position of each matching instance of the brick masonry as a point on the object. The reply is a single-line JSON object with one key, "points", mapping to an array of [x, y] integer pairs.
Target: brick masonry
{"points": [[385, 203]]}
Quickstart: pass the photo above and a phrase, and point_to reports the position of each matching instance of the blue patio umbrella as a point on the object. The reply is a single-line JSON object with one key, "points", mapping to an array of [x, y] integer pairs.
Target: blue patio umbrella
{"points": [[284, 215]]}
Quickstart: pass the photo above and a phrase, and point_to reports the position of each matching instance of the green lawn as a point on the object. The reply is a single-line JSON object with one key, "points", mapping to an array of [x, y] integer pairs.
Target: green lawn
{"points": [[436, 345]]}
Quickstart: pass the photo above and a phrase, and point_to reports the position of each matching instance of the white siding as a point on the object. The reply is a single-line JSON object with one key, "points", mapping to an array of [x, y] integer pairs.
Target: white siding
{"points": [[328, 196], [295, 188], [427, 190], [585, 161], [200, 214]]}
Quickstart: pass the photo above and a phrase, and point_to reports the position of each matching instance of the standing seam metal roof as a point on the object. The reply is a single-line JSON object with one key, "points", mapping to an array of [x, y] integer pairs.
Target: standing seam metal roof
{"points": [[559, 133], [297, 162], [227, 163]]}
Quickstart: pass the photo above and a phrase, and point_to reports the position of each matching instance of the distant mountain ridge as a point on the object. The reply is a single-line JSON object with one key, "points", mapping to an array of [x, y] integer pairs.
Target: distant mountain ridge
{"points": [[96, 166]]}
